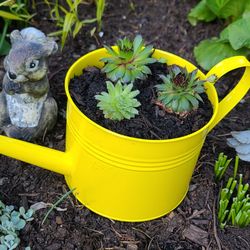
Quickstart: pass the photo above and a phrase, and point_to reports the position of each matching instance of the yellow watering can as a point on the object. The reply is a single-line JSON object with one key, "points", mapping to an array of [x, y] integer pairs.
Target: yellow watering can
{"points": [[121, 177]]}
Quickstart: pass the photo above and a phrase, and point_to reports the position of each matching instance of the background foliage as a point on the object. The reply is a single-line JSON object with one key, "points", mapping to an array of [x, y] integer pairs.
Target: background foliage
{"points": [[233, 40], [64, 14]]}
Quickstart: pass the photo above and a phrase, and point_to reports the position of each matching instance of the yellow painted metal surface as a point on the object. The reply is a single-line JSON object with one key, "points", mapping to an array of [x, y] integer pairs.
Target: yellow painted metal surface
{"points": [[125, 178]]}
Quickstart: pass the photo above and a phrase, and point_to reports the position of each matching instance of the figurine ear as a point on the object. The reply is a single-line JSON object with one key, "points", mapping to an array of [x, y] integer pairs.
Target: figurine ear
{"points": [[50, 47], [15, 36]]}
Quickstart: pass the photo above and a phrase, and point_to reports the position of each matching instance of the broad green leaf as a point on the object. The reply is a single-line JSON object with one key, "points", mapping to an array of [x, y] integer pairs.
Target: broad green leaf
{"points": [[239, 33], [246, 12], [233, 9], [216, 6], [10, 16], [209, 52], [224, 35], [200, 12]]}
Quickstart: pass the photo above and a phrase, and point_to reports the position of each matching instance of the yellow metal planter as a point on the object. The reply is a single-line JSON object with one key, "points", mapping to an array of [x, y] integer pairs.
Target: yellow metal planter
{"points": [[121, 177]]}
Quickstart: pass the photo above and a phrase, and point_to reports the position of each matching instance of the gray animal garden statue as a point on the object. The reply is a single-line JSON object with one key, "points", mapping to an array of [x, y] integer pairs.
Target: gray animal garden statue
{"points": [[27, 110], [240, 141]]}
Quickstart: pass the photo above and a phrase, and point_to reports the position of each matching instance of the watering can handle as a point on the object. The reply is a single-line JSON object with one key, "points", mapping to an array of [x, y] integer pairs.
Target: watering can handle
{"points": [[238, 92]]}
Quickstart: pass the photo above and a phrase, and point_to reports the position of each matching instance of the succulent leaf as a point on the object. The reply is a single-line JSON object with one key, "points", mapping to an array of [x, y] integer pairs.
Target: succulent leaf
{"points": [[129, 61], [180, 90], [119, 102]]}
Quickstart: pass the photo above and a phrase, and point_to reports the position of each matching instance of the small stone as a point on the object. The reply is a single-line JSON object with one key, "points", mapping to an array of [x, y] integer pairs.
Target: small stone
{"points": [[192, 187], [132, 247], [162, 113], [3, 180], [92, 47], [76, 56], [59, 220], [101, 34]]}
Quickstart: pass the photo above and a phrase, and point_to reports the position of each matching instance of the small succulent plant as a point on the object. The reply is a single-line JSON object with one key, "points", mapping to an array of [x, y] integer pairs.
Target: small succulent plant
{"points": [[180, 91], [129, 62], [119, 102], [11, 222]]}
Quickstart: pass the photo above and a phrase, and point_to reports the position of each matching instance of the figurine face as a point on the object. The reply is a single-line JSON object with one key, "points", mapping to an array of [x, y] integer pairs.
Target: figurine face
{"points": [[26, 62]]}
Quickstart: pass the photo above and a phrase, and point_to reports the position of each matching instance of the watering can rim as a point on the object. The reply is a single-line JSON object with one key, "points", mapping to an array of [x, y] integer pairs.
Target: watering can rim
{"points": [[162, 52]]}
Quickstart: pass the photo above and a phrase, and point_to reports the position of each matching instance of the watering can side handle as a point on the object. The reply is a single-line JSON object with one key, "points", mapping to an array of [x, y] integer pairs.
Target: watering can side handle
{"points": [[238, 92], [47, 158]]}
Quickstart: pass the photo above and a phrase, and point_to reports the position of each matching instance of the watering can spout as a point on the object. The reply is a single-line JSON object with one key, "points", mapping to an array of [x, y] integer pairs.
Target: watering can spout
{"points": [[47, 158]]}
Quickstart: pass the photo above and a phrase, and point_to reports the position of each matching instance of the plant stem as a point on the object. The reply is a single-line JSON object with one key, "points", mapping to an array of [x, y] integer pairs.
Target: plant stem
{"points": [[5, 28], [236, 165], [57, 203]]}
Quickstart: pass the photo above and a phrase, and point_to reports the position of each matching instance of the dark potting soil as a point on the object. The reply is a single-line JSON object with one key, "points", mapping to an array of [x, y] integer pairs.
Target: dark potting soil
{"points": [[152, 122]]}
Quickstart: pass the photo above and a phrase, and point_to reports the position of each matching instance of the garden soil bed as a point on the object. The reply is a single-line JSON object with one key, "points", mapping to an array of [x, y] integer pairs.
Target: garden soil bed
{"points": [[190, 226]]}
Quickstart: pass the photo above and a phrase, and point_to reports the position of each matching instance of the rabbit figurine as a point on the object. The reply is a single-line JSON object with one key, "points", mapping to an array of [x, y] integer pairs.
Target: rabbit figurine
{"points": [[27, 110]]}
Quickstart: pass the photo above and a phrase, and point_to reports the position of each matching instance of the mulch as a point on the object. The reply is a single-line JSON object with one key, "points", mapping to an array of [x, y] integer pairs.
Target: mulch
{"points": [[190, 226]]}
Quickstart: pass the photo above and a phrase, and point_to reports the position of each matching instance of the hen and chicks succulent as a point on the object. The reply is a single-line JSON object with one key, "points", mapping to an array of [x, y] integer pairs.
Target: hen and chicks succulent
{"points": [[126, 64], [179, 93], [119, 102], [129, 62]]}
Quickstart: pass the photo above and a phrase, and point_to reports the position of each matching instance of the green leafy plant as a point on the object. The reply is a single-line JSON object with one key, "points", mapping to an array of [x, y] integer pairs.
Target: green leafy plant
{"points": [[221, 166], [129, 62], [180, 91], [11, 10], [100, 6], [234, 208], [11, 222], [119, 102], [233, 40], [234, 200], [67, 18]]}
